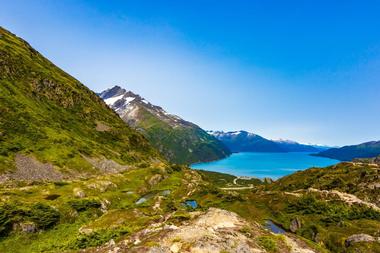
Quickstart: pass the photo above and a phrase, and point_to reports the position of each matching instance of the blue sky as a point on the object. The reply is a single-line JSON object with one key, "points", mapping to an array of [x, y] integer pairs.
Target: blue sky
{"points": [[301, 70]]}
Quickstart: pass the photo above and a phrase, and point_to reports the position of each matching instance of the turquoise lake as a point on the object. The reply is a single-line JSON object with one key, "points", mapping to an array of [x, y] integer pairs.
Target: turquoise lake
{"points": [[273, 165]]}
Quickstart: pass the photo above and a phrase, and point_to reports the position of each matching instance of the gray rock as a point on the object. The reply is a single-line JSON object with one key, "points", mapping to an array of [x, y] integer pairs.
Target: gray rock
{"points": [[359, 238], [295, 224], [26, 227], [268, 180], [79, 193]]}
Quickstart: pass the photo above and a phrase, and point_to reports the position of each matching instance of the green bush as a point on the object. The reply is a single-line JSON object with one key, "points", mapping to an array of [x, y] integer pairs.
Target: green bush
{"points": [[267, 243], [43, 215], [98, 238], [84, 204], [7, 215]]}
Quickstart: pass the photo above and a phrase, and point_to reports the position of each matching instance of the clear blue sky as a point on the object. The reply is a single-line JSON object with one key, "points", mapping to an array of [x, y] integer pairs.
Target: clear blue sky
{"points": [[302, 70]]}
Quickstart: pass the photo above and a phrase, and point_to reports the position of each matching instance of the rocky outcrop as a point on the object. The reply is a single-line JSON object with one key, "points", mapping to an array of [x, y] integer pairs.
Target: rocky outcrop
{"points": [[105, 165], [26, 227], [295, 224], [360, 238], [213, 231]]}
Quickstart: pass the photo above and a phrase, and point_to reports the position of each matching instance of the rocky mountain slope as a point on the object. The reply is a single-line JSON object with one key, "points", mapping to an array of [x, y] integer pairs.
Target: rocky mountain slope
{"points": [[242, 141], [52, 126], [178, 140], [347, 153]]}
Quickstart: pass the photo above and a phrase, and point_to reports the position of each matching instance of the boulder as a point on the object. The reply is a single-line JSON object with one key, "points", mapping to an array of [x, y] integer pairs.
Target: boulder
{"points": [[295, 224], [155, 179], [26, 227], [79, 193], [359, 238]]}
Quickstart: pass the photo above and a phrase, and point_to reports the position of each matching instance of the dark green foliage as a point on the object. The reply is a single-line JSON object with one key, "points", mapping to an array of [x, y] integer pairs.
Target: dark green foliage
{"points": [[98, 238], [267, 243], [7, 214], [43, 215], [84, 204]]}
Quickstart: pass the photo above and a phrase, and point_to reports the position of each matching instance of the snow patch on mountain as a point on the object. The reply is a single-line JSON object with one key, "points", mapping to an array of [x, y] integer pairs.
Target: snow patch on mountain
{"points": [[112, 100]]}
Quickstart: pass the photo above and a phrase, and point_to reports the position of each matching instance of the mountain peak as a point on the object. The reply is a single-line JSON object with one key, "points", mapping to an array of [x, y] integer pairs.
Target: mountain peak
{"points": [[179, 140]]}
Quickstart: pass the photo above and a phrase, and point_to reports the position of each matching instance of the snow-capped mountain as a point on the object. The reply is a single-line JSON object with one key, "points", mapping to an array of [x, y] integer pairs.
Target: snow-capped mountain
{"points": [[127, 104], [178, 140], [243, 141]]}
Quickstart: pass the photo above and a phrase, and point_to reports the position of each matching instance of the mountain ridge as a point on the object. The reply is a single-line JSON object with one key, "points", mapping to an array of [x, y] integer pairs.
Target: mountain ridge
{"points": [[243, 141], [180, 141], [347, 153]]}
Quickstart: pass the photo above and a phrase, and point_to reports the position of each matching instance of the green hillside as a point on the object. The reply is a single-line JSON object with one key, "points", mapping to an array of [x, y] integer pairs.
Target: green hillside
{"points": [[183, 144], [46, 114]]}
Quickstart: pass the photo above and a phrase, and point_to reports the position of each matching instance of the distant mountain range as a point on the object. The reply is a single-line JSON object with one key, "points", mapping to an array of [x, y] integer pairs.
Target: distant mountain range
{"points": [[243, 141], [180, 141], [348, 153]]}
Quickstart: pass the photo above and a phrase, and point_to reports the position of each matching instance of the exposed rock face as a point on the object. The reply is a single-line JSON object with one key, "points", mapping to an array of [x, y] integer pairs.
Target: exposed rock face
{"points": [[360, 238], [295, 224], [26, 227], [105, 165], [214, 231]]}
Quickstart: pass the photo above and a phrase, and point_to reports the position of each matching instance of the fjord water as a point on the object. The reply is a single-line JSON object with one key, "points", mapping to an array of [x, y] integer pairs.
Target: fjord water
{"points": [[257, 164]]}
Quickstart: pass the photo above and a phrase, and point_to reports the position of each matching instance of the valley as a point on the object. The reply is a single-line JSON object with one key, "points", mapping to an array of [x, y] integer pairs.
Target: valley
{"points": [[83, 173]]}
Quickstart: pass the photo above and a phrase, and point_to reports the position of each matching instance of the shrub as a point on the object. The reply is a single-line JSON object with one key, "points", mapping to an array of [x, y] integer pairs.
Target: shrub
{"points": [[98, 238], [267, 243], [84, 204], [43, 215]]}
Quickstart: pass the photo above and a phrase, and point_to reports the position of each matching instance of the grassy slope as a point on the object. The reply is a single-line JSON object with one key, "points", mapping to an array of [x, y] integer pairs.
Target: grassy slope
{"points": [[326, 220], [48, 113], [62, 214], [183, 145]]}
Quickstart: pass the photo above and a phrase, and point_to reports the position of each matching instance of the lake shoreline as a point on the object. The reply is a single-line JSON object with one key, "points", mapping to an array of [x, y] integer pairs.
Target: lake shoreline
{"points": [[264, 164]]}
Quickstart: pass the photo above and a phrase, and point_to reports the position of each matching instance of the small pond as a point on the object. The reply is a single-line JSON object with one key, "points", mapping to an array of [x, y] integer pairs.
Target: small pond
{"points": [[274, 228], [191, 203]]}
